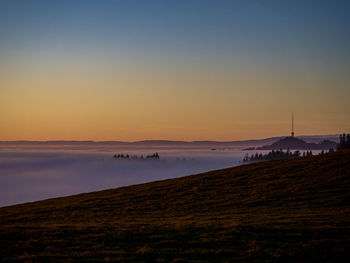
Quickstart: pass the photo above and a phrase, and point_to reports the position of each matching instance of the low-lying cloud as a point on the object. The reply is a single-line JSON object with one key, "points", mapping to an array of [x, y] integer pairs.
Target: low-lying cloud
{"points": [[29, 176]]}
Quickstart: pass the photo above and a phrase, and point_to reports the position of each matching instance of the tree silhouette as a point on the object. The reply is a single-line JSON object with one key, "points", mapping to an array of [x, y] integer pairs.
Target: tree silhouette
{"points": [[344, 142]]}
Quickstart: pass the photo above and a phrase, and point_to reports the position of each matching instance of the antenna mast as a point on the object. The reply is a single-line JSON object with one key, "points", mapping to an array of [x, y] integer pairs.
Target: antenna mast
{"points": [[292, 124]]}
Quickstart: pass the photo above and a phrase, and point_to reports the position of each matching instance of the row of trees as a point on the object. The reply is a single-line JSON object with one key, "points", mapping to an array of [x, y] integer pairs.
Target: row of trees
{"points": [[344, 141], [273, 155], [127, 156], [277, 155]]}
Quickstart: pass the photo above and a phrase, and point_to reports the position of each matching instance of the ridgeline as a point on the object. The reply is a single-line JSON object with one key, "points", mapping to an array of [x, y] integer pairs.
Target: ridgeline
{"points": [[295, 210], [299, 144]]}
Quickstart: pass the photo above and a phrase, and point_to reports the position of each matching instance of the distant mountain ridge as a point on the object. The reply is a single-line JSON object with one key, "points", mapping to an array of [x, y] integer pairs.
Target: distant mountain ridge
{"points": [[207, 143]]}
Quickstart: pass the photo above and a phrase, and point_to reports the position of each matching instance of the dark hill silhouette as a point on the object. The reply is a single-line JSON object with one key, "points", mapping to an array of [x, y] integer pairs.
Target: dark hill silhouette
{"points": [[294, 210], [294, 143], [168, 143]]}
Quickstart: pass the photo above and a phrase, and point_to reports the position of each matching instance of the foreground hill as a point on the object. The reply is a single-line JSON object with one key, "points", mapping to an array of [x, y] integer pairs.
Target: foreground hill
{"points": [[295, 210]]}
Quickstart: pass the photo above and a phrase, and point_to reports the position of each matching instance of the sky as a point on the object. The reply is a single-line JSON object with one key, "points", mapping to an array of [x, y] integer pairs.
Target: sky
{"points": [[176, 70]]}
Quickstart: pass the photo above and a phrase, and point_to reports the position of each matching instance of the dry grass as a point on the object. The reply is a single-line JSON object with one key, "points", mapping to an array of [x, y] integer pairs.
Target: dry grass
{"points": [[294, 210]]}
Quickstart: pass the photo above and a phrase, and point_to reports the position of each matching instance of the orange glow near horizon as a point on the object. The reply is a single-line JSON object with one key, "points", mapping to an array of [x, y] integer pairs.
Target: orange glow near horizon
{"points": [[74, 101]]}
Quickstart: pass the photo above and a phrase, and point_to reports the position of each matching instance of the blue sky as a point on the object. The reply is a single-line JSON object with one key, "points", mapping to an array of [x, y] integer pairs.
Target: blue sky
{"points": [[233, 26]]}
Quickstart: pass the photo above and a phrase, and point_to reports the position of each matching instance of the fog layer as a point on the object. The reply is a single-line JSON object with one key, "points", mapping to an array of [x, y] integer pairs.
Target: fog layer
{"points": [[35, 175]]}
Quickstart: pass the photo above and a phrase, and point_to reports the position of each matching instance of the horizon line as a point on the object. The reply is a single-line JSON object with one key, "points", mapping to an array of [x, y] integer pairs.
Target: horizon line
{"points": [[161, 140]]}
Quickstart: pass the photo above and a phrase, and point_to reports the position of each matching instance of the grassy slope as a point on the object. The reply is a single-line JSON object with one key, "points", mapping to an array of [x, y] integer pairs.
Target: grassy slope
{"points": [[288, 210]]}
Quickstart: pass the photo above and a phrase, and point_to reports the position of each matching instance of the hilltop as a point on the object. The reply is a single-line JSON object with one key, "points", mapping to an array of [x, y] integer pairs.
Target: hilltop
{"points": [[299, 144], [294, 210]]}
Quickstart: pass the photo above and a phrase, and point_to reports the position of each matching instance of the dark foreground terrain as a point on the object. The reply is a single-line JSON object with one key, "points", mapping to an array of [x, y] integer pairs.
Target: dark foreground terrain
{"points": [[295, 210]]}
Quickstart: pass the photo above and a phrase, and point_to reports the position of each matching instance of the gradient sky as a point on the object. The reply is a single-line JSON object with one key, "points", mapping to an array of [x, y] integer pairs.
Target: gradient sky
{"points": [[181, 70]]}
